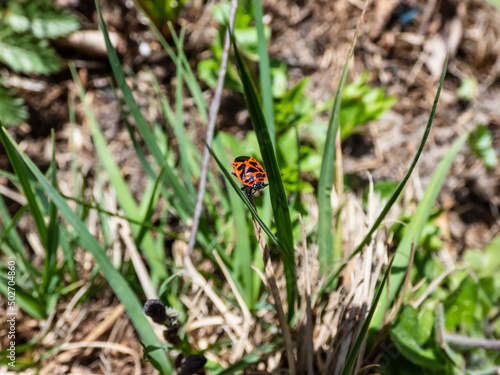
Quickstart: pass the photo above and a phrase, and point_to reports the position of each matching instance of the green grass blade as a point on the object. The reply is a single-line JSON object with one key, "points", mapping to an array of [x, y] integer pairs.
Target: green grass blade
{"points": [[417, 223], [325, 184], [353, 355], [191, 82], [7, 227], [279, 200], [119, 75], [181, 209], [11, 244], [406, 177], [87, 241], [69, 255], [116, 179], [400, 186], [24, 180], [264, 71], [140, 121], [53, 228], [178, 125], [35, 307], [150, 207]]}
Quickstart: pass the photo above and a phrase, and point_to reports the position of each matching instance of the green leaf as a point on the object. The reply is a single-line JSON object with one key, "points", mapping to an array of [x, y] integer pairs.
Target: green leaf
{"points": [[468, 89], [50, 275], [26, 54], [362, 103], [35, 307], [279, 80], [295, 108], [383, 188], [411, 333], [460, 306], [480, 142], [41, 18], [485, 263], [495, 3], [12, 109]]}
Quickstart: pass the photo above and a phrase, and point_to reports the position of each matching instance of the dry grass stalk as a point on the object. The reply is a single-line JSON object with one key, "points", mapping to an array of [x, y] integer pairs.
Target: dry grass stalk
{"points": [[247, 317], [306, 324], [340, 318], [273, 288]]}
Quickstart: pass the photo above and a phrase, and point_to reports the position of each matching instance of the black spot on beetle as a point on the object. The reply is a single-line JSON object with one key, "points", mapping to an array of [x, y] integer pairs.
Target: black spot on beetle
{"points": [[241, 159]]}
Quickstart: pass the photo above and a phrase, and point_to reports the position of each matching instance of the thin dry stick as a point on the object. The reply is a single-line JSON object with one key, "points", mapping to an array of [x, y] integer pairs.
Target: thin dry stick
{"points": [[105, 324], [140, 268], [247, 316], [212, 114], [432, 286], [273, 288], [106, 345], [231, 320]]}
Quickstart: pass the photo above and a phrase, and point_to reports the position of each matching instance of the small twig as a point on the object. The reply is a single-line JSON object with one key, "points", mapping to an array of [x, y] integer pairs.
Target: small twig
{"points": [[139, 266], [433, 285], [232, 320], [273, 288], [105, 324], [247, 316], [426, 16], [471, 342], [212, 114], [106, 345]]}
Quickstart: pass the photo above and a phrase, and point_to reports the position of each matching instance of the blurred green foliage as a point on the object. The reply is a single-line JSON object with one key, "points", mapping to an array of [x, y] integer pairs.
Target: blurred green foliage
{"points": [[362, 103], [25, 30], [480, 142], [247, 38], [468, 89], [469, 296]]}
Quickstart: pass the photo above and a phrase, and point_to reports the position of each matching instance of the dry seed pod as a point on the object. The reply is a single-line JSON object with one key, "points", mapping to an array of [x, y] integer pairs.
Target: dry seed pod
{"points": [[192, 365], [155, 310]]}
